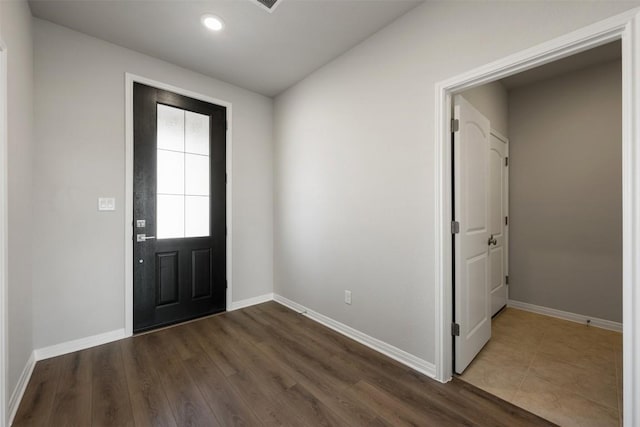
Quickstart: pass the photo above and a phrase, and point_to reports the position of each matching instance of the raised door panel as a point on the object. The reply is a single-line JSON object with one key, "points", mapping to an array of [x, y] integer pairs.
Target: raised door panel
{"points": [[167, 278], [201, 266]]}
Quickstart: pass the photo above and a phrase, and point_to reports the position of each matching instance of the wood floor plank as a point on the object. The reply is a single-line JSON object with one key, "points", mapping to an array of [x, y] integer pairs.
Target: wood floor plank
{"points": [[273, 378], [269, 405], [298, 329], [260, 381], [228, 406], [322, 380], [432, 397], [187, 403], [299, 346], [213, 340], [110, 403], [255, 332], [291, 333], [37, 402], [491, 409], [311, 410], [73, 399], [322, 384], [149, 402], [245, 355], [340, 345], [260, 366], [365, 363], [476, 405], [399, 412], [379, 422], [396, 379]]}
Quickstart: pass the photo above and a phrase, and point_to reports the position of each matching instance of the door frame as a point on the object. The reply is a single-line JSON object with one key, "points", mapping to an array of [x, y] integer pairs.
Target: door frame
{"points": [[4, 238], [130, 79], [624, 27]]}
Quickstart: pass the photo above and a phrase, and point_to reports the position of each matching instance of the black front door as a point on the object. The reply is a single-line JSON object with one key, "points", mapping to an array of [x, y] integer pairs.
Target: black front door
{"points": [[179, 208]]}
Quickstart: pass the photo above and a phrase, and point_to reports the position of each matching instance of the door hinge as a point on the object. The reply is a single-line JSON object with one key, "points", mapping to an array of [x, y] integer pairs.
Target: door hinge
{"points": [[455, 227], [455, 329], [506, 220], [226, 125], [506, 161], [506, 280], [225, 177], [455, 125], [226, 283]]}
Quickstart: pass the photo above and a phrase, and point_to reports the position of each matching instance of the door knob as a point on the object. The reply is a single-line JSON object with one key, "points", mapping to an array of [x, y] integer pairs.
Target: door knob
{"points": [[492, 241], [143, 237]]}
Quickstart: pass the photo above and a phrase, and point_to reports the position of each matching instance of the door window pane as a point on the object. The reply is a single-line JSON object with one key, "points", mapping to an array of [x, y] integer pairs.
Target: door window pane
{"points": [[170, 218], [196, 216], [170, 128], [170, 179], [196, 175], [183, 174], [196, 133]]}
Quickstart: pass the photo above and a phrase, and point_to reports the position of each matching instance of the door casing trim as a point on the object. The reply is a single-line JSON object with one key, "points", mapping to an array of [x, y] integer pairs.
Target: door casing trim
{"points": [[4, 237], [130, 79], [624, 27]]}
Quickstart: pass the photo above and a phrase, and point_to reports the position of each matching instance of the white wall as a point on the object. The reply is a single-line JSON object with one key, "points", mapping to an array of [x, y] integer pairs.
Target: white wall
{"points": [[15, 29], [492, 100], [355, 157], [566, 192], [79, 155]]}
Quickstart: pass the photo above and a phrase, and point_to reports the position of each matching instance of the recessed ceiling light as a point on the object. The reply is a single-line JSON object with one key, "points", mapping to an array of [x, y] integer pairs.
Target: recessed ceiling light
{"points": [[212, 22]]}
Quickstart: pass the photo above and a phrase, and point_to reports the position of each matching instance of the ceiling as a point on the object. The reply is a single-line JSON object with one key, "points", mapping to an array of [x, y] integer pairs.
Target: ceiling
{"points": [[598, 55], [259, 50]]}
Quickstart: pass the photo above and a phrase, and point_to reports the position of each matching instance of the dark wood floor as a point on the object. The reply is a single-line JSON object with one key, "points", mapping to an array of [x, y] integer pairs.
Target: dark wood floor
{"points": [[263, 365]]}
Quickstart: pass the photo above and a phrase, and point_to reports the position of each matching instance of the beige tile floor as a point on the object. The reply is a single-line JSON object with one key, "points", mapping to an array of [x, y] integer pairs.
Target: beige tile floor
{"points": [[568, 373]]}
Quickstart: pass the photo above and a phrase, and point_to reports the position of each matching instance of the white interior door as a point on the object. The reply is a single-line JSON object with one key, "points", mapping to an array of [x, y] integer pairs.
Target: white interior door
{"points": [[472, 303], [498, 223]]}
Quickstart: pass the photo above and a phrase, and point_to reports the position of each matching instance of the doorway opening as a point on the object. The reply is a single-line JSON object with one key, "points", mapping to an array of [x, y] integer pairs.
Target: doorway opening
{"points": [[624, 28], [178, 228], [179, 195], [554, 346]]}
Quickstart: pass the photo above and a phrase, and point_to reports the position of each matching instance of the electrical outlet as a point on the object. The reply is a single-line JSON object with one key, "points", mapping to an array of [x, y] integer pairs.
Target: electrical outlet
{"points": [[347, 297], [106, 203]]}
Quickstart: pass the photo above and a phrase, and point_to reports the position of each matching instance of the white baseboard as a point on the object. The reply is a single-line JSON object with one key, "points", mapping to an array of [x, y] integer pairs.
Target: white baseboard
{"points": [[565, 315], [236, 305], [79, 344], [18, 392], [420, 365]]}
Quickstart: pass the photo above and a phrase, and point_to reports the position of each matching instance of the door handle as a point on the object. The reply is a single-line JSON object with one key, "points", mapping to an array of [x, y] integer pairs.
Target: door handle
{"points": [[492, 241], [143, 237]]}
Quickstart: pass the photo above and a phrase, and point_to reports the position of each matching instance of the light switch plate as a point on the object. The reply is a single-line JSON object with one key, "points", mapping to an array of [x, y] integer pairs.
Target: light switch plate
{"points": [[106, 203]]}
